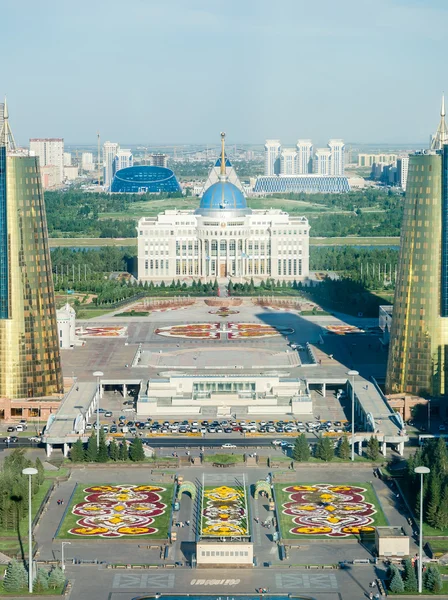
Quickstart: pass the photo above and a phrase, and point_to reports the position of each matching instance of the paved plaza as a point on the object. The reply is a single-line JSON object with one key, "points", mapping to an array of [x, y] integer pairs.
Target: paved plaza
{"points": [[285, 576]]}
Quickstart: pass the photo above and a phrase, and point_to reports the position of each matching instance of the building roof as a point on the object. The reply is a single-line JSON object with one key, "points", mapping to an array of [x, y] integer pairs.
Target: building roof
{"points": [[223, 195]]}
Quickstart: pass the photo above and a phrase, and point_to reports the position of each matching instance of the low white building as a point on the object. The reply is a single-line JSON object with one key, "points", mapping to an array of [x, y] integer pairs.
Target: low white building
{"points": [[189, 394], [66, 317]]}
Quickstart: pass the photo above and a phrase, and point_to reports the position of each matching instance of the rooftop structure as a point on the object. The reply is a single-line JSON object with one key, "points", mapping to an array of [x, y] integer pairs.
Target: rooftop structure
{"points": [[145, 179], [301, 184]]}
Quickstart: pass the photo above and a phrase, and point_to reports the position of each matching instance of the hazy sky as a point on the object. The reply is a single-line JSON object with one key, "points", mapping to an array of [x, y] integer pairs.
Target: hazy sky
{"points": [[155, 71]]}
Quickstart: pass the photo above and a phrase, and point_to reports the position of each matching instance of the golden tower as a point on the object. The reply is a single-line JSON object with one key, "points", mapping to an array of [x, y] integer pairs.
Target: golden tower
{"points": [[30, 364]]}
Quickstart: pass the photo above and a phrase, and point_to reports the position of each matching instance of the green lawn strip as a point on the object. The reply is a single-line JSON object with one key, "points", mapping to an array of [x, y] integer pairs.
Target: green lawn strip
{"points": [[23, 526], [62, 472], [161, 522], [244, 521], [354, 241], [224, 459], [133, 313], [65, 242], [439, 546], [24, 592], [286, 522]]}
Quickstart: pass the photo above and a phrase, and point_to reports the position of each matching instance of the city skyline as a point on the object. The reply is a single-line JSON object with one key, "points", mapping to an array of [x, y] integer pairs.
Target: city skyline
{"points": [[378, 105]]}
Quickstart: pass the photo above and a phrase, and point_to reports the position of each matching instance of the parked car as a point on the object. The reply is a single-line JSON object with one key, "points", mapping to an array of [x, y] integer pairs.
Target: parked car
{"points": [[108, 413], [10, 429], [228, 446]]}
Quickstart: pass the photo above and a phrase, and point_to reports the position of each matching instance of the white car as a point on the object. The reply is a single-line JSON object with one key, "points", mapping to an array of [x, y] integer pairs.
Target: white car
{"points": [[228, 446], [277, 442]]}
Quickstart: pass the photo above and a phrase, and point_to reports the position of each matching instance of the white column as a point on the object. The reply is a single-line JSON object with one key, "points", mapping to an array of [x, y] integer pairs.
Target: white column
{"points": [[125, 390], [324, 389], [66, 449], [360, 447], [49, 449], [400, 448], [383, 448]]}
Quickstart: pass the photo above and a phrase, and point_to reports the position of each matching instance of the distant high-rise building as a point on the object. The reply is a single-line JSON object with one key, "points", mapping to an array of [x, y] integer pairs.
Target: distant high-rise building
{"points": [[158, 160], [367, 160], [67, 159], [272, 151], [402, 171], [123, 160], [50, 152], [337, 161], [304, 157], [322, 160], [110, 150], [87, 161], [418, 352], [288, 161], [30, 363]]}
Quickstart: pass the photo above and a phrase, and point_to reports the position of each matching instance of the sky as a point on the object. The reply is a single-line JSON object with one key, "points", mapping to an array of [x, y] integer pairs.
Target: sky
{"points": [[181, 71]]}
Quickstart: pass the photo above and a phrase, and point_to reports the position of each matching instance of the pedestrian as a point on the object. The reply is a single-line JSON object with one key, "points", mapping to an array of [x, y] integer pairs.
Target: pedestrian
{"points": [[371, 596], [373, 584], [58, 502]]}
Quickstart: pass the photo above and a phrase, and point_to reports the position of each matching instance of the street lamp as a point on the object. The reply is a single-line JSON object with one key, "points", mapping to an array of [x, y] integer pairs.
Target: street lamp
{"points": [[30, 471], [421, 471], [62, 553], [98, 374], [353, 374]]}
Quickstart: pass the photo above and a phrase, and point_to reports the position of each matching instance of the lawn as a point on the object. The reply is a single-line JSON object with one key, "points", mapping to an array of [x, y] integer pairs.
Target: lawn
{"points": [[224, 459], [24, 592], [118, 511], [328, 513], [91, 242]]}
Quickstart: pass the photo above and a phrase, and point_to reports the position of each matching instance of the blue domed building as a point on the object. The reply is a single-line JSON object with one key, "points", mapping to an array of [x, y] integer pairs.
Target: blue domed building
{"points": [[223, 238], [145, 179]]}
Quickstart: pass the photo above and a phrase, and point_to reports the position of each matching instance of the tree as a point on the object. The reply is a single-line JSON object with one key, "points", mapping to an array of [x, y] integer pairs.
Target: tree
{"points": [[301, 450], [123, 451], [56, 578], [40, 471], [102, 454], [113, 450], [15, 576], [324, 449], [373, 448], [344, 449], [432, 580], [432, 513], [91, 451], [77, 451], [41, 580], [409, 577], [396, 584], [136, 452]]}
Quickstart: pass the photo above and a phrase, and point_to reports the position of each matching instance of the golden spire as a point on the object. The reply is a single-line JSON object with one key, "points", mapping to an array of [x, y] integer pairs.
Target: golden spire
{"points": [[223, 155], [6, 137]]}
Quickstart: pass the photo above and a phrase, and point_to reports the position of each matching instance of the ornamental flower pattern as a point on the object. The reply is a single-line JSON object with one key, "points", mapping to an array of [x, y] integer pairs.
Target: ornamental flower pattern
{"points": [[224, 512], [330, 510], [111, 511], [215, 331]]}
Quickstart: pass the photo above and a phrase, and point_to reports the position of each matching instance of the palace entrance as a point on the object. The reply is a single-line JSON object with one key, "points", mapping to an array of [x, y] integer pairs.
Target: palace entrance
{"points": [[222, 269]]}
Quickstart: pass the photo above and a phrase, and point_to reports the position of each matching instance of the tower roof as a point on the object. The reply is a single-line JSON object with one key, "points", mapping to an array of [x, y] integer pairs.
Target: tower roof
{"points": [[6, 136], [223, 195], [441, 136]]}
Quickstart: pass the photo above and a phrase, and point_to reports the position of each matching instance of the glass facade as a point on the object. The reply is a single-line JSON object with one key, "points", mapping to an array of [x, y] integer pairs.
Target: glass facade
{"points": [[142, 179], [419, 335], [4, 284], [29, 348]]}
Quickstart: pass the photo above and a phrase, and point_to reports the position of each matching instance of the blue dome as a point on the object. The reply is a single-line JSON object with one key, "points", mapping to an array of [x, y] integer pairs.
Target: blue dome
{"points": [[223, 196], [145, 178]]}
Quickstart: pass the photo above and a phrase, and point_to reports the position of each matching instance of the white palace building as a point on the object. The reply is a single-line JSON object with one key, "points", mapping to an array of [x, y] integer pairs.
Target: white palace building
{"points": [[223, 238]]}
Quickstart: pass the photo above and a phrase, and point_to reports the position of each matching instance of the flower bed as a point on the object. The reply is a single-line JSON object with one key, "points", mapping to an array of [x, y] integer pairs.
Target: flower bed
{"points": [[254, 330], [224, 512], [118, 511], [327, 510], [224, 311], [109, 331]]}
